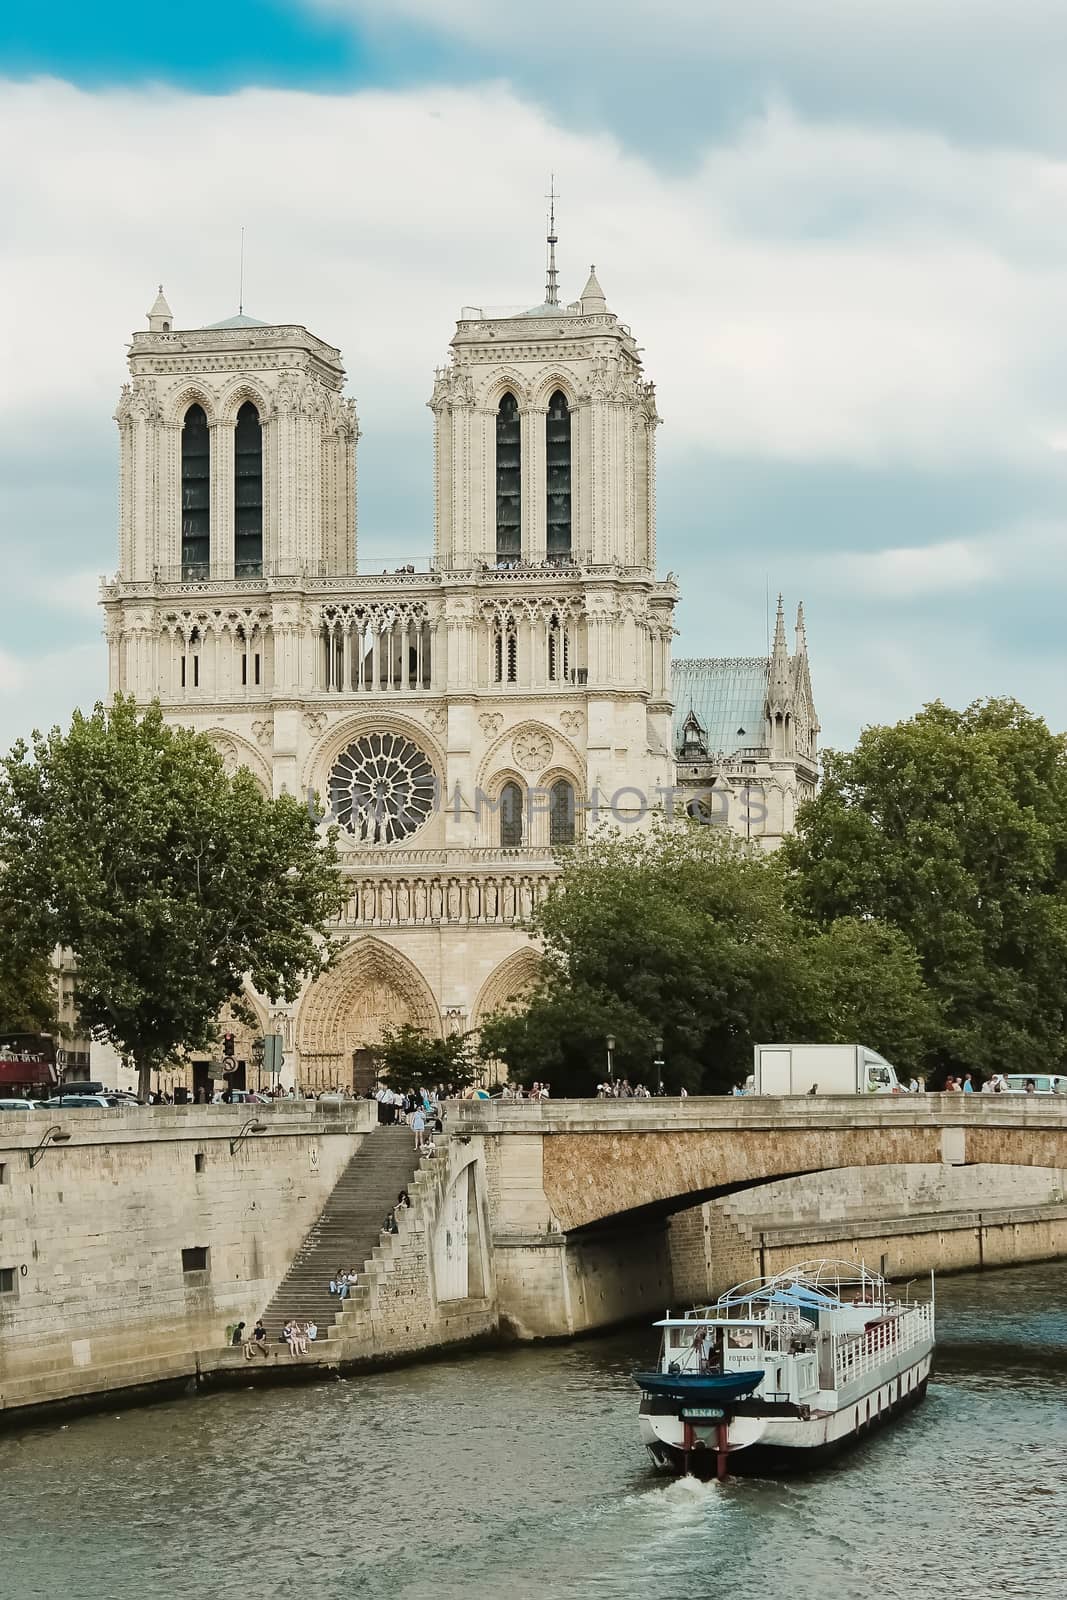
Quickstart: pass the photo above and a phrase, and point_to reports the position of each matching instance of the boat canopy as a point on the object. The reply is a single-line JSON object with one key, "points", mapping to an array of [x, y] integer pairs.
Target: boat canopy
{"points": [[797, 1294], [710, 1321]]}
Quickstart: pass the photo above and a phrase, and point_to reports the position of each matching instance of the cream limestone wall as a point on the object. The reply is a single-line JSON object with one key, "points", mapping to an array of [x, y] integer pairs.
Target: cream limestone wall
{"points": [[93, 1235], [410, 696], [909, 1218], [407, 702]]}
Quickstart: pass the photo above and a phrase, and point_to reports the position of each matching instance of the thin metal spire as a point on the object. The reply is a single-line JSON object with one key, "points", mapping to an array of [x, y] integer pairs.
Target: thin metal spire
{"points": [[241, 280], [552, 285]]}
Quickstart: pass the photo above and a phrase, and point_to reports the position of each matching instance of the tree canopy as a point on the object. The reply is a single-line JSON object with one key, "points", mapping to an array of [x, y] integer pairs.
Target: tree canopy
{"points": [[171, 881], [952, 828], [410, 1058], [27, 984], [685, 933]]}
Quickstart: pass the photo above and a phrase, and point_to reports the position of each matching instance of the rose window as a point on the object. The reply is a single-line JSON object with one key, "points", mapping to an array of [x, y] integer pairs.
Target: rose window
{"points": [[381, 788]]}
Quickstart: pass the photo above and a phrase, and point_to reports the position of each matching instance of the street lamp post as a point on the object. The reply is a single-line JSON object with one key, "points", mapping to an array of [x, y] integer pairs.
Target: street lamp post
{"points": [[610, 1042], [658, 1063]]}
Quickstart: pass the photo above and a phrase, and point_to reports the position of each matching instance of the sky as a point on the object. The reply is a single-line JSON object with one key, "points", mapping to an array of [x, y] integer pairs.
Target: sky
{"points": [[838, 229]]}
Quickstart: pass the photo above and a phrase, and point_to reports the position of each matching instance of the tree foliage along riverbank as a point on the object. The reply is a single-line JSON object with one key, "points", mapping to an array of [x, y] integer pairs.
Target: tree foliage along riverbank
{"points": [[685, 933], [408, 1057], [952, 828], [920, 908], [172, 882]]}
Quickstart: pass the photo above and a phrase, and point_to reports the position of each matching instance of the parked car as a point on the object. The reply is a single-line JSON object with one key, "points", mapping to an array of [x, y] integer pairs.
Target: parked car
{"points": [[241, 1097], [1043, 1082], [68, 1101], [19, 1105]]}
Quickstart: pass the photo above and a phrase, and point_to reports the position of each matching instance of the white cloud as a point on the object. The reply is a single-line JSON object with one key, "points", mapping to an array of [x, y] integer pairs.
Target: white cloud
{"points": [[806, 293], [663, 71], [41, 691], [12, 674], [1017, 557], [932, 569], [826, 295]]}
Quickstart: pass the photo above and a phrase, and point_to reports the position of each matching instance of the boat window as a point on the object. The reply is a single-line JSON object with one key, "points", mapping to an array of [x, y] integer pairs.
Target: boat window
{"points": [[740, 1338]]}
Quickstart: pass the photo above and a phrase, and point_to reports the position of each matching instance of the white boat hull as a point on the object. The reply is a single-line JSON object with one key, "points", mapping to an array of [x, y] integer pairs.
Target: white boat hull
{"points": [[753, 1437]]}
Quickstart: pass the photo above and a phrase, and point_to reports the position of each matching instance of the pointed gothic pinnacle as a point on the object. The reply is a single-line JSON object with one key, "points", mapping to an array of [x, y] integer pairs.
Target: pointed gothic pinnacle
{"points": [[593, 295], [779, 628], [161, 316], [802, 637], [779, 682]]}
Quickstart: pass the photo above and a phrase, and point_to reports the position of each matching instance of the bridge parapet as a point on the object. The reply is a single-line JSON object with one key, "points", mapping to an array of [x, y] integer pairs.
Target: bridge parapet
{"points": [[751, 1113], [564, 1165]]}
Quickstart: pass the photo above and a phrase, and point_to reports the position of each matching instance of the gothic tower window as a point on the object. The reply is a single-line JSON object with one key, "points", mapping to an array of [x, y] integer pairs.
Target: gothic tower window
{"points": [[558, 470], [558, 650], [248, 493], [561, 813], [508, 481], [196, 494], [511, 816], [505, 650]]}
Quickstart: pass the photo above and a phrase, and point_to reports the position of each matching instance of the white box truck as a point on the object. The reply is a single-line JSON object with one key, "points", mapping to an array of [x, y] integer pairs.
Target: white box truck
{"points": [[821, 1069]]}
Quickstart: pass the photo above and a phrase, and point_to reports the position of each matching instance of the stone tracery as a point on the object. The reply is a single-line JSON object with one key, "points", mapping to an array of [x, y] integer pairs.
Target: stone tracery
{"points": [[372, 987]]}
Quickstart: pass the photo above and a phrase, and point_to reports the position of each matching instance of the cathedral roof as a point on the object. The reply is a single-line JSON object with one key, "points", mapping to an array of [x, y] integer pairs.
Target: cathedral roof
{"points": [[240, 321], [727, 695], [547, 311]]}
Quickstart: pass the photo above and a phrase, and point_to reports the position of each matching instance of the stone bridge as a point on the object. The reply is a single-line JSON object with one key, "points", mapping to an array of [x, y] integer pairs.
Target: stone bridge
{"points": [[580, 1190]]}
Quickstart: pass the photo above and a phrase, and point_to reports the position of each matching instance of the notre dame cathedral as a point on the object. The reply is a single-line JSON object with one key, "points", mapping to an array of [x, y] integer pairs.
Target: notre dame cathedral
{"points": [[462, 722]]}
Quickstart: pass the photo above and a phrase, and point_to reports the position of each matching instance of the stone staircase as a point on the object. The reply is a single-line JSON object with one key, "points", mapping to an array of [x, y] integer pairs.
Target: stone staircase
{"points": [[348, 1230]]}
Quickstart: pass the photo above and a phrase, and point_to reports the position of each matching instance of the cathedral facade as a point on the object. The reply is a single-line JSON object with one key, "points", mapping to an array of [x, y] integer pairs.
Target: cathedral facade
{"points": [[459, 724]]}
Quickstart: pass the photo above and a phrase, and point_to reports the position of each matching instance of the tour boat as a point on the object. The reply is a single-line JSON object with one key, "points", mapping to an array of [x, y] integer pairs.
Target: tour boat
{"points": [[783, 1370]]}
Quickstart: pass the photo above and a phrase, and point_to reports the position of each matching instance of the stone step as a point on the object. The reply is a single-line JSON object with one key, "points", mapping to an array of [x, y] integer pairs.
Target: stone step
{"points": [[348, 1231]]}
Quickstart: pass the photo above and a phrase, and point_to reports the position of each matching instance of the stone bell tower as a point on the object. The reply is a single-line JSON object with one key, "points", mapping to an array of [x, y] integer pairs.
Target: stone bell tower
{"points": [[237, 453], [462, 720], [545, 437]]}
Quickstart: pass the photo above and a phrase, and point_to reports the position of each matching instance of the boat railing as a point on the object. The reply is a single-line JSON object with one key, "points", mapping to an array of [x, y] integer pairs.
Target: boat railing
{"points": [[856, 1355]]}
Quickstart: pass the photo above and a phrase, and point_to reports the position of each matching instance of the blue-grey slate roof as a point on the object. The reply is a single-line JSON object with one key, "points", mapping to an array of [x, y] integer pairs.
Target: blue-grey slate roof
{"points": [[728, 696], [241, 321]]}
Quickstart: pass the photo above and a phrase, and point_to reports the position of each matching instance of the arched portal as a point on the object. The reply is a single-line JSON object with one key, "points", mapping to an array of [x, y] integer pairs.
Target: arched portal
{"points": [[508, 986], [344, 1013]]}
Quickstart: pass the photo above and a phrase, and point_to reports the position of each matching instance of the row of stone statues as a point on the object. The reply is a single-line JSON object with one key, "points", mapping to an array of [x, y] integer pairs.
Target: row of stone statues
{"points": [[441, 899]]}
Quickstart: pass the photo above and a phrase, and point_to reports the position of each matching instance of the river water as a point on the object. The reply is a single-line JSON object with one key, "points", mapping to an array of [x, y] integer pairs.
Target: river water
{"points": [[519, 1473]]}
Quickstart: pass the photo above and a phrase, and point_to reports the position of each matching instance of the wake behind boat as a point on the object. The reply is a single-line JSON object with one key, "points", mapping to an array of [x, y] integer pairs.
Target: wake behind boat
{"points": [[782, 1370]]}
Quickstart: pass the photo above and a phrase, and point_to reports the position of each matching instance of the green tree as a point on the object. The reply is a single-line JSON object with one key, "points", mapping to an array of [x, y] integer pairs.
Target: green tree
{"points": [[952, 828], [27, 986], [560, 1038], [866, 986], [410, 1058], [171, 882], [685, 933]]}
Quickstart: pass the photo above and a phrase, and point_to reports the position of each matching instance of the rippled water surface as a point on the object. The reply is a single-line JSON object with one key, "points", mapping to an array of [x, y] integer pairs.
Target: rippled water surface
{"points": [[520, 1474]]}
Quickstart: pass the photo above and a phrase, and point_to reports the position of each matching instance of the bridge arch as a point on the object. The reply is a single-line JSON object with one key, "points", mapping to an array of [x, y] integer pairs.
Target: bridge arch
{"points": [[601, 1162]]}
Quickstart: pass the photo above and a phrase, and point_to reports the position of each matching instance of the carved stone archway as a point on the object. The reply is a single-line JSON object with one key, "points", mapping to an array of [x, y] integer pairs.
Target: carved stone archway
{"points": [[508, 985], [371, 988]]}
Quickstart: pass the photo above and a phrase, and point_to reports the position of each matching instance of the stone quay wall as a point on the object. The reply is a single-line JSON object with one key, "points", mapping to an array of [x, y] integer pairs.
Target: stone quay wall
{"points": [[898, 1219], [96, 1293]]}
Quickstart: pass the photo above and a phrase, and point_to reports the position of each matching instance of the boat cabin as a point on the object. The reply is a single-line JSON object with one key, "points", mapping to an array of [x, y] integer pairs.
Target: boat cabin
{"points": [[788, 1327]]}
